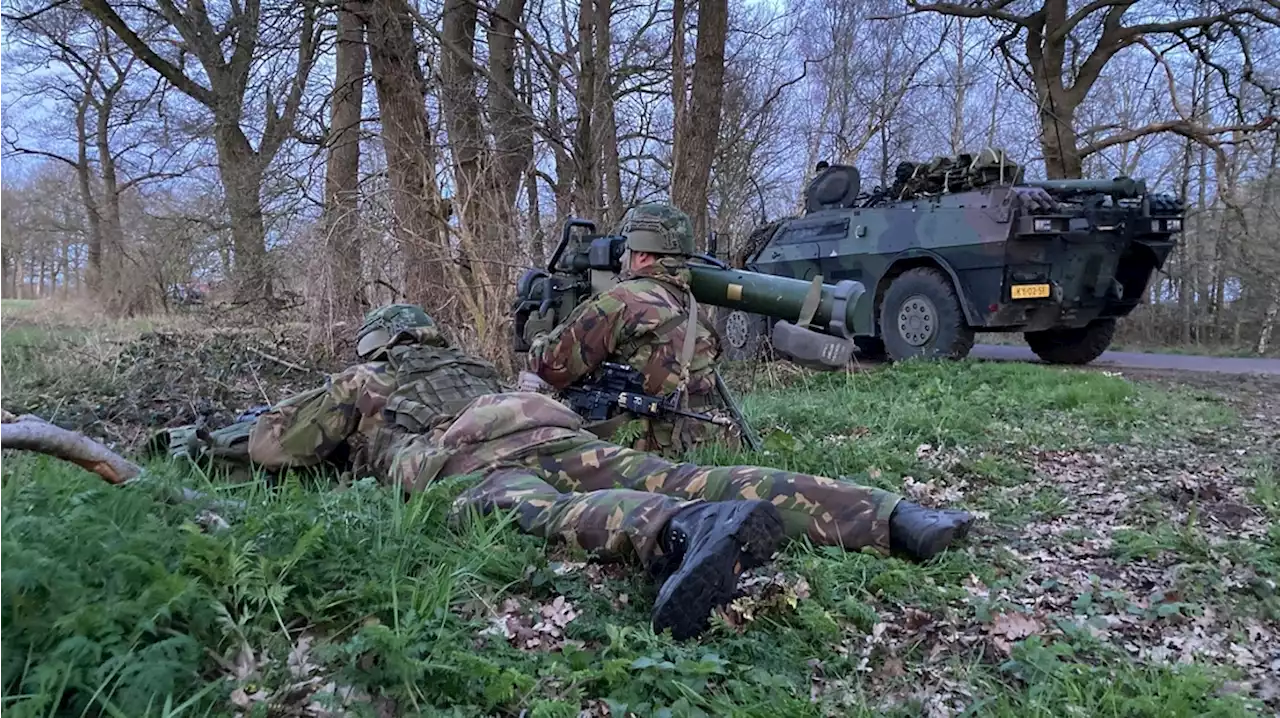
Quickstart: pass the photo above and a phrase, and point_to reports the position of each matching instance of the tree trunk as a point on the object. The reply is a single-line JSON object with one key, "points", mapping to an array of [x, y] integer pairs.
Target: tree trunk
{"points": [[957, 107], [1062, 158], [606, 125], [1199, 271], [1046, 59], [92, 217], [407, 143], [483, 211], [1184, 250], [566, 170], [462, 113], [345, 291], [1269, 321], [241, 174], [486, 176], [120, 294], [512, 126], [585, 152], [537, 237], [679, 72], [697, 133]]}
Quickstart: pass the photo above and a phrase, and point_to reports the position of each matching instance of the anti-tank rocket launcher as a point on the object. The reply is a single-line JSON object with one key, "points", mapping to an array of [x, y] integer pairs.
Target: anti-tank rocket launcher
{"points": [[816, 320]]}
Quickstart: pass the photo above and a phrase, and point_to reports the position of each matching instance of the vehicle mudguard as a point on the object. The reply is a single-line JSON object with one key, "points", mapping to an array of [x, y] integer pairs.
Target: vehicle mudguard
{"points": [[972, 314]]}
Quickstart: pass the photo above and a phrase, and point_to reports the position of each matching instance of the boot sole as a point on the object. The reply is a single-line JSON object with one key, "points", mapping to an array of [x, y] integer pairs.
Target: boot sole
{"points": [[710, 580]]}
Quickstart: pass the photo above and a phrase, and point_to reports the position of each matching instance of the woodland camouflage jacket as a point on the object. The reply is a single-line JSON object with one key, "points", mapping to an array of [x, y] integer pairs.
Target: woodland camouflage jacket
{"points": [[640, 322]]}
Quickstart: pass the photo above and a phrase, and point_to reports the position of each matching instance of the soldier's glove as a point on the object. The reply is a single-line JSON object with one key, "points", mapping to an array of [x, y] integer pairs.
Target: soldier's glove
{"points": [[533, 383]]}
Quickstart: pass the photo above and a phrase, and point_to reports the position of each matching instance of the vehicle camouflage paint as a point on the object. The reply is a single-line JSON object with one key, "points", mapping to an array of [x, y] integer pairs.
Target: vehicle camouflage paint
{"points": [[963, 244]]}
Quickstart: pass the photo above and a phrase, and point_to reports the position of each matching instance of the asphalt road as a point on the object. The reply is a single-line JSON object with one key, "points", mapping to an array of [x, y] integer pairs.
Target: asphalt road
{"points": [[1136, 360]]}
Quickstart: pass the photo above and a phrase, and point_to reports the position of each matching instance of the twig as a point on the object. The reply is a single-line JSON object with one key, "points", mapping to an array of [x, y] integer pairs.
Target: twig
{"points": [[281, 362]]}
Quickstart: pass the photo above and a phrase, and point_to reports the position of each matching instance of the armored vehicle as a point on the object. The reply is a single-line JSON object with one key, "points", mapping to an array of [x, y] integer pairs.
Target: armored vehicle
{"points": [[964, 244]]}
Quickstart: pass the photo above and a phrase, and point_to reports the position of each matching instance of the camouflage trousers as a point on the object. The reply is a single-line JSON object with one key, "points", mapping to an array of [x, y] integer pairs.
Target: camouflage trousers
{"points": [[615, 501]]}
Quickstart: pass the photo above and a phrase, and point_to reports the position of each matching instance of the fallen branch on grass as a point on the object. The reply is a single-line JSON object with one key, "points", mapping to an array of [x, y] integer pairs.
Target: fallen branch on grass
{"points": [[31, 433]]}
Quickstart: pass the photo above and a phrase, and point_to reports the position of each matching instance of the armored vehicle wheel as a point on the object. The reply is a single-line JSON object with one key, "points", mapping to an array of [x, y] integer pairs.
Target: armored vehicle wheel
{"points": [[921, 317], [746, 335], [1073, 346]]}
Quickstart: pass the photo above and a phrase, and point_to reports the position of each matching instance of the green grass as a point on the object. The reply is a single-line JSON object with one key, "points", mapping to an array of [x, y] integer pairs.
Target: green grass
{"points": [[116, 603], [27, 350], [849, 424]]}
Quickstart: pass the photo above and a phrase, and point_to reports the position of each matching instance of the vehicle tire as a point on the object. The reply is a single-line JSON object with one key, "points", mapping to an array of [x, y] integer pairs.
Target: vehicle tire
{"points": [[920, 316], [1080, 345], [745, 335]]}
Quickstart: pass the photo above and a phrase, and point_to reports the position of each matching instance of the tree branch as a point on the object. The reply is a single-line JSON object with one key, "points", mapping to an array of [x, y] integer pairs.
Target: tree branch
{"points": [[1185, 128], [1078, 16], [104, 12], [31, 433], [40, 153], [995, 10], [35, 14]]}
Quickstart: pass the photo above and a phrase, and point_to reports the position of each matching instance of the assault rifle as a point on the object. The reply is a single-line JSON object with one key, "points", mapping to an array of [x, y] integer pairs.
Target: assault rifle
{"points": [[620, 387]]}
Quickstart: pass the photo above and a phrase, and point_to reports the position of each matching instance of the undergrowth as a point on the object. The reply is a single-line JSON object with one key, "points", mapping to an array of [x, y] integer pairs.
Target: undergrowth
{"points": [[118, 603]]}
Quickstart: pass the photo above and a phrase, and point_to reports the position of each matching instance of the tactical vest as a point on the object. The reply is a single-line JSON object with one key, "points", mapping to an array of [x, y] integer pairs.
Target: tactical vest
{"points": [[434, 384]]}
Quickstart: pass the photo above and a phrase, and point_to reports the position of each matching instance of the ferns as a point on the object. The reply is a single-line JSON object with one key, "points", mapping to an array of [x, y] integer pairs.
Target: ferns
{"points": [[115, 603]]}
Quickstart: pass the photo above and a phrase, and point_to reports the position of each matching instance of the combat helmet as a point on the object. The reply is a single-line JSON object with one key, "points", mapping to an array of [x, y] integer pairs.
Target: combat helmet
{"points": [[384, 325], [657, 228]]}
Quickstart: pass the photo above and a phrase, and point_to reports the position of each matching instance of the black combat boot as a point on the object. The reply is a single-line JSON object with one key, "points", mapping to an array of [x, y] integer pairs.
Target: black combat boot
{"points": [[709, 545], [923, 533]]}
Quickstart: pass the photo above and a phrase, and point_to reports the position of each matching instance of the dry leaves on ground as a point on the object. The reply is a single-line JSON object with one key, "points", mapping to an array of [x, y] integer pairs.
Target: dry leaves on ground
{"points": [[1010, 627], [310, 693], [532, 626], [762, 593]]}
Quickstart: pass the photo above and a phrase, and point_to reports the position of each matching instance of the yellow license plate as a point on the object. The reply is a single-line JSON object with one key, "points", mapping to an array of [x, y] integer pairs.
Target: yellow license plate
{"points": [[1030, 291]]}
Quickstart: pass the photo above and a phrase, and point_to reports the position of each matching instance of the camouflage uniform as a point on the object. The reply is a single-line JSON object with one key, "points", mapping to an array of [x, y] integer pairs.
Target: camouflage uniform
{"points": [[642, 322], [535, 457], [417, 410]]}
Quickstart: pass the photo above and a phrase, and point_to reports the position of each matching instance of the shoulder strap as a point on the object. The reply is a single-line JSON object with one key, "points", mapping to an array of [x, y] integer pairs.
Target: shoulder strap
{"points": [[690, 338], [690, 342], [811, 301]]}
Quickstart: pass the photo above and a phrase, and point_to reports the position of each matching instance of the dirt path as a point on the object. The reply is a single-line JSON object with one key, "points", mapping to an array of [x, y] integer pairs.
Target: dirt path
{"points": [[1136, 360]]}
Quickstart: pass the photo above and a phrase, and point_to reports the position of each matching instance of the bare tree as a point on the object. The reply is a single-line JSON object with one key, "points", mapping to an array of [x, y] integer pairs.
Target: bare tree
{"points": [[1064, 52], [868, 72], [229, 49], [419, 213], [345, 290], [490, 151], [112, 104]]}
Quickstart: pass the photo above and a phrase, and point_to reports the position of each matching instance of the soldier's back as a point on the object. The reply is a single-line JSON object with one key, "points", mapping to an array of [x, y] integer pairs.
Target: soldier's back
{"points": [[655, 317]]}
